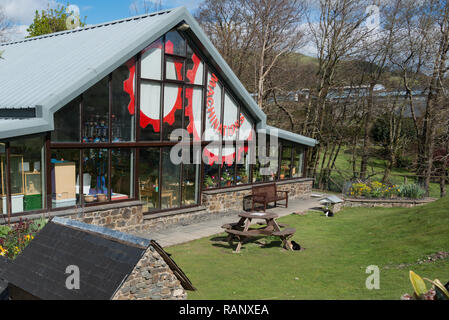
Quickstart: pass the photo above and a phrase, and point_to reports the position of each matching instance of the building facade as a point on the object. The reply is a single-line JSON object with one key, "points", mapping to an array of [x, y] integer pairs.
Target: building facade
{"points": [[141, 111]]}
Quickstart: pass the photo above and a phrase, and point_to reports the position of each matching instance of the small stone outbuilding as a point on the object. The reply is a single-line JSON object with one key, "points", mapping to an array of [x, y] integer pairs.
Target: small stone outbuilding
{"points": [[71, 260]]}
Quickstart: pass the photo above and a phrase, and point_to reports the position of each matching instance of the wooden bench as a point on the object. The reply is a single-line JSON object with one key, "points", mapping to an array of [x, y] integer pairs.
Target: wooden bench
{"points": [[285, 235], [268, 193], [230, 225]]}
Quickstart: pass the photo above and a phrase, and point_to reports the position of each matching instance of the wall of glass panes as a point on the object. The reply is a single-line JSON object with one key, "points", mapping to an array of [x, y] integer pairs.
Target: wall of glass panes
{"points": [[114, 141], [22, 178]]}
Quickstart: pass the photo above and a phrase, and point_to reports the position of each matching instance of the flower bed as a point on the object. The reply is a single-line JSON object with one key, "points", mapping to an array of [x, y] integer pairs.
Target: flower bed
{"points": [[379, 190], [14, 239]]}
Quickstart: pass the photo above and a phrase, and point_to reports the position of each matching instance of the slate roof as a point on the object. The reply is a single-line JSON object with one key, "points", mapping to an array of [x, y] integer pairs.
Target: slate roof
{"points": [[105, 258], [49, 71], [3, 283]]}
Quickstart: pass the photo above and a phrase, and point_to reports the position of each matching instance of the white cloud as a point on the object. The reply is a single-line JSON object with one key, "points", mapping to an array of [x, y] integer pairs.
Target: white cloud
{"points": [[16, 32], [22, 11]]}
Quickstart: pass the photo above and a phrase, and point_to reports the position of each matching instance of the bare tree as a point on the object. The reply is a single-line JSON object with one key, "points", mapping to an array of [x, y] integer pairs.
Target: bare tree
{"points": [[5, 26], [336, 36], [253, 36], [145, 6], [421, 56]]}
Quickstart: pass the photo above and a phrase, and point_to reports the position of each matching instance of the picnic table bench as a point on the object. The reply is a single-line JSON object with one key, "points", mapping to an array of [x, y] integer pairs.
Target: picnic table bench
{"points": [[241, 231], [266, 194]]}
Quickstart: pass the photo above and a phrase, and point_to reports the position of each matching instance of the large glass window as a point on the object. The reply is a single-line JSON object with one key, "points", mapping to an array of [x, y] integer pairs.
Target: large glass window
{"points": [[95, 168], [194, 68], [228, 167], [274, 163], [27, 160], [149, 160], [193, 111], [122, 174], [174, 68], [150, 110], [151, 61], [286, 162], [170, 197], [243, 164], [190, 181], [213, 125], [175, 43], [96, 113], [3, 188], [67, 123], [65, 179], [122, 118], [173, 97], [298, 162], [212, 163], [230, 123]]}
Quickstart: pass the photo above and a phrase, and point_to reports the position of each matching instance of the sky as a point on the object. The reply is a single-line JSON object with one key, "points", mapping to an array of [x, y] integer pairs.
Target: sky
{"points": [[21, 12]]}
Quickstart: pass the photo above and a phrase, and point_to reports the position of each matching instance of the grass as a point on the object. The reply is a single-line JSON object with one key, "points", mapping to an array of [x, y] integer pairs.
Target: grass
{"points": [[338, 251], [344, 164]]}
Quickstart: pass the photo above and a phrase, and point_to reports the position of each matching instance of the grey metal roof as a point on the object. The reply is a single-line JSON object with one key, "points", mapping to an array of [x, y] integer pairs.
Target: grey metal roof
{"points": [[290, 136], [49, 71]]}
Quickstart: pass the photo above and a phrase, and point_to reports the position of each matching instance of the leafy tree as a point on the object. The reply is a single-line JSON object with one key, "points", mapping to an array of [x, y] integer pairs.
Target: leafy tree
{"points": [[49, 21]]}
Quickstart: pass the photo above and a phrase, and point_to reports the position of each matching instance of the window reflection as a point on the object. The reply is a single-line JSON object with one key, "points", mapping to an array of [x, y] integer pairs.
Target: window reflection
{"points": [[122, 118], [26, 159], [122, 176], [66, 179], [96, 113], [149, 178], [170, 197], [175, 43], [95, 178]]}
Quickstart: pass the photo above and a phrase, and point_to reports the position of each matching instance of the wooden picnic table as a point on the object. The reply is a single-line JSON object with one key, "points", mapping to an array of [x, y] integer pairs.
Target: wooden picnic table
{"points": [[241, 230]]}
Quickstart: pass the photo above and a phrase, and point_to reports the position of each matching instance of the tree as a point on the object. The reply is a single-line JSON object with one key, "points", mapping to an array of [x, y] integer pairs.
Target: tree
{"points": [[254, 37], [49, 21], [421, 55], [5, 25], [336, 35]]}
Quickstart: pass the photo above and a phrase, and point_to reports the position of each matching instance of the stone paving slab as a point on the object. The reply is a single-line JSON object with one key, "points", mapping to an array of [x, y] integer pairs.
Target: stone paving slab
{"points": [[181, 234]]}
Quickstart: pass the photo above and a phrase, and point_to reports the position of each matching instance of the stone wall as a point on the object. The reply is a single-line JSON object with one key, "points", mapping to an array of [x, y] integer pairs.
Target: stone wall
{"points": [[124, 219], [385, 203], [231, 199], [151, 279]]}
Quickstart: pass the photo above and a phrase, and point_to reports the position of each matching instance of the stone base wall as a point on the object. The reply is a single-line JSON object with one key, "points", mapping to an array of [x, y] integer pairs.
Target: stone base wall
{"points": [[151, 279], [385, 203], [161, 221], [124, 219], [231, 199]]}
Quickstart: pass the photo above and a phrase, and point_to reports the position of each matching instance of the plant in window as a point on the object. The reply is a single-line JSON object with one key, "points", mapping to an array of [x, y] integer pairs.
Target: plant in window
{"points": [[209, 182], [227, 177]]}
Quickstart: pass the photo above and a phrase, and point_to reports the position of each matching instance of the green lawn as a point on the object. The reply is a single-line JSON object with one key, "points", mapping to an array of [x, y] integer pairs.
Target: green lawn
{"points": [[333, 266], [344, 164]]}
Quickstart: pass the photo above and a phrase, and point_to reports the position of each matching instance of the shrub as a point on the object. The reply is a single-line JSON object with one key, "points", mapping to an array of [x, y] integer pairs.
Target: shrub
{"points": [[412, 191], [17, 238], [374, 189]]}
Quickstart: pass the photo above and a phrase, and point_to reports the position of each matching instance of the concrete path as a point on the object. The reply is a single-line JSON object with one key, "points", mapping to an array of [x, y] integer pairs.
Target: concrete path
{"points": [[182, 234]]}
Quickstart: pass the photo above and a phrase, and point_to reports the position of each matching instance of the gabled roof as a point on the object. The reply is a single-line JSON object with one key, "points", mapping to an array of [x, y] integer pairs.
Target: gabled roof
{"points": [[47, 72], [104, 257]]}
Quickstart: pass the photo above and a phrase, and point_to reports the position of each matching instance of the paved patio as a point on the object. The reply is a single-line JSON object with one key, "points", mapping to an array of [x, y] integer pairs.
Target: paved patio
{"points": [[181, 234]]}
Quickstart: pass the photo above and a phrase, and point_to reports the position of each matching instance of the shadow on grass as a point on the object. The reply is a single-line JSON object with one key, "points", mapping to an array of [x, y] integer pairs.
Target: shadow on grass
{"points": [[222, 242]]}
